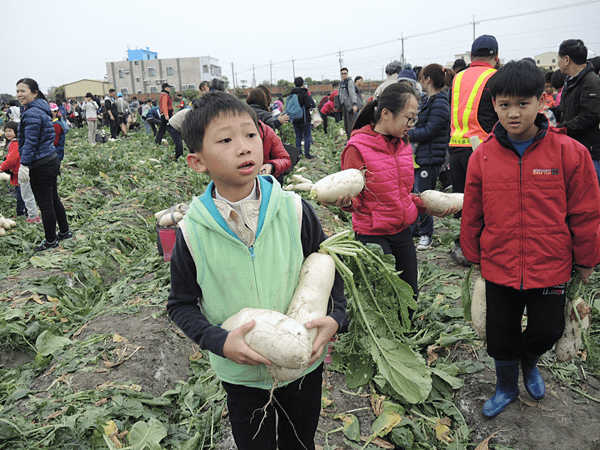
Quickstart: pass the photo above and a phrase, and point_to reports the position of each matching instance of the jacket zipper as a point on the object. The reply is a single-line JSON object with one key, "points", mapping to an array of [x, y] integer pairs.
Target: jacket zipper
{"points": [[521, 221], [252, 258]]}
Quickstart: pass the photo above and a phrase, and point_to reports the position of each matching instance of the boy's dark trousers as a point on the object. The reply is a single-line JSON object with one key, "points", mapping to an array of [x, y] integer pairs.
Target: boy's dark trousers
{"points": [[545, 320], [298, 402]]}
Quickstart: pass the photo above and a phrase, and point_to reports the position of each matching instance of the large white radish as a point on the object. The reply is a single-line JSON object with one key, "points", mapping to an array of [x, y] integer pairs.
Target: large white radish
{"points": [[170, 219], [180, 207], [309, 302], [313, 290], [437, 202], [300, 179], [347, 182], [479, 309], [570, 342], [277, 337]]}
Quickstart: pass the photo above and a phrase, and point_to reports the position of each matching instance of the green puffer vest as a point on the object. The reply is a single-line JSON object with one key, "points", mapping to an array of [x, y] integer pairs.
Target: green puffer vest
{"points": [[233, 276]]}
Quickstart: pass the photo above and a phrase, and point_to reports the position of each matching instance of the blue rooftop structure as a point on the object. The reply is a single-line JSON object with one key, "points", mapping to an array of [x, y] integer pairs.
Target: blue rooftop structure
{"points": [[141, 54]]}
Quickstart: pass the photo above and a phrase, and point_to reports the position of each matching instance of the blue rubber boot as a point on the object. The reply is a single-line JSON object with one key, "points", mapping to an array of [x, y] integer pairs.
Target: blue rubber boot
{"points": [[532, 378], [507, 388]]}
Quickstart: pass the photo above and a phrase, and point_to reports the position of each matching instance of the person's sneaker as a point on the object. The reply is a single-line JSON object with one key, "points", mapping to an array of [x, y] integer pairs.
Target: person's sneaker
{"points": [[45, 245], [424, 243], [63, 236], [309, 156], [36, 220]]}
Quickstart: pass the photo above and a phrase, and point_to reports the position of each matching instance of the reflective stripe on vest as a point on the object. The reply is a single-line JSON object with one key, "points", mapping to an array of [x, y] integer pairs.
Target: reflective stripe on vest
{"points": [[465, 103]]}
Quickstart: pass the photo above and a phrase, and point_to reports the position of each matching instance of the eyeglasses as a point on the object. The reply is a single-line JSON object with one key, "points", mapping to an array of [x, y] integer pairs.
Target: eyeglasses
{"points": [[344, 73], [411, 121]]}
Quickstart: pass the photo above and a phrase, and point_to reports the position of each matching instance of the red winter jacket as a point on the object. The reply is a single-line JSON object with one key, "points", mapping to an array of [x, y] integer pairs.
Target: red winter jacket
{"points": [[528, 219], [386, 205], [12, 162], [273, 150]]}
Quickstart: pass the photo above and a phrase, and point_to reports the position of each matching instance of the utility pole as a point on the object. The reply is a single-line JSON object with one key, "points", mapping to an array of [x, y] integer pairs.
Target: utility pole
{"points": [[233, 77], [293, 68], [402, 60], [340, 59], [253, 77], [474, 23]]}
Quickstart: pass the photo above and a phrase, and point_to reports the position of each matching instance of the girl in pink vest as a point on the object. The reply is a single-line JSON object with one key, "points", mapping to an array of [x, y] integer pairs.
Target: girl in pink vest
{"points": [[383, 212]]}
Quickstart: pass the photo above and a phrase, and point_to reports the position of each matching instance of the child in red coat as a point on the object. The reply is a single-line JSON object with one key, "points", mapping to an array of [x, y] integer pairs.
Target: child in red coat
{"points": [[530, 217], [25, 200]]}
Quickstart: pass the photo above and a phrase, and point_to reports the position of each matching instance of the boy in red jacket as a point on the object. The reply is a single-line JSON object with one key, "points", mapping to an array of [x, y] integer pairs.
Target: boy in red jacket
{"points": [[530, 217]]}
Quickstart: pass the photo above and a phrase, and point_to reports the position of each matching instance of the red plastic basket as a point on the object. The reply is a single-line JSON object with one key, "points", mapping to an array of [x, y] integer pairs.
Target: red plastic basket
{"points": [[166, 241]]}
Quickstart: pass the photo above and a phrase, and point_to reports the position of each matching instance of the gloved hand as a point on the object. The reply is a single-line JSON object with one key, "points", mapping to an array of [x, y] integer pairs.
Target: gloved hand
{"points": [[23, 174]]}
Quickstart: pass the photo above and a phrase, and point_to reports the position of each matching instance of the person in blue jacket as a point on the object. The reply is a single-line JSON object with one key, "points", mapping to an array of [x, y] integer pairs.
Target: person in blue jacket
{"points": [[430, 139], [39, 162], [153, 118]]}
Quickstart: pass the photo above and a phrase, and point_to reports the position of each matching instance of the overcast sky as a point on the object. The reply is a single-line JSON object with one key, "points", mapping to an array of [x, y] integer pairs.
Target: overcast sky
{"points": [[61, 41]]}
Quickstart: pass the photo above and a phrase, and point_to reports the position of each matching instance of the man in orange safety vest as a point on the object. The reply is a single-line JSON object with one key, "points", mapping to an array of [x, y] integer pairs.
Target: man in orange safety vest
{"points": [[472, 113]]}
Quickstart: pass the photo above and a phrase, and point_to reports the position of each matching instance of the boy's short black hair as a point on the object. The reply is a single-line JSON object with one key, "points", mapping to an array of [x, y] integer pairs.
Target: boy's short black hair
{"points": [[574, 49], [206, 109], [298, 81], [548, 77], [517, 79]]}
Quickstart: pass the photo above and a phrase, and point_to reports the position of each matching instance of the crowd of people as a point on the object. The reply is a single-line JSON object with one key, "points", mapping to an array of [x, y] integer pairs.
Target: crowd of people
{"points": [[523, 147]]}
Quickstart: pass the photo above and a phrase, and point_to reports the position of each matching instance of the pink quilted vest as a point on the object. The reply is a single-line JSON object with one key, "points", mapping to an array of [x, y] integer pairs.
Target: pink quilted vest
{"points": [[385, 206]]}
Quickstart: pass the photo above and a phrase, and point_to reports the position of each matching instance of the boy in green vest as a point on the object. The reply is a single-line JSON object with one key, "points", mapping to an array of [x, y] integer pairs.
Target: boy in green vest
{"points": [[242, 244]]}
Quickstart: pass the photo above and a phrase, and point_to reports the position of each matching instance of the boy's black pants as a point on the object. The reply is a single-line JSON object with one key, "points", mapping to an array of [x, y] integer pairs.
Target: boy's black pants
{"points": [[505, 307], [298, 402]]}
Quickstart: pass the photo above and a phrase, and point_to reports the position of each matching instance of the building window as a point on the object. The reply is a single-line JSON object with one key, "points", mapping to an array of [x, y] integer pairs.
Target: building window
{"points": [[124, 91], [139, 91], [191, 86], [121, 73], [138, 79], [538, 61], [137, 63], [151, 71], [205, 68], [153, 89], [170, 71], [553, 60]]}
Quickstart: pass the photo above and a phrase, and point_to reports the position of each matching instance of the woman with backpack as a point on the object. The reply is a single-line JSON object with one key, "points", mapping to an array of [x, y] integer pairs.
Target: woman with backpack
{"points": [[259, 102], [39, 162], [297, 107]]}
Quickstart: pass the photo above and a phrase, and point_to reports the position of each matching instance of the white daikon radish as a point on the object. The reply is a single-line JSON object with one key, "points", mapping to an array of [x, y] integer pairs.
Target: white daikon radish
{"points": [[300, 179], [302, 186], [180, 207], [437, 202], [479, 309], [170, 219], [277, 337], [570, 342], [347, 182]]}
